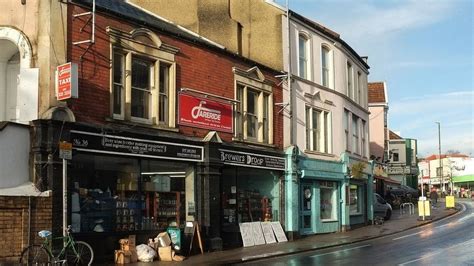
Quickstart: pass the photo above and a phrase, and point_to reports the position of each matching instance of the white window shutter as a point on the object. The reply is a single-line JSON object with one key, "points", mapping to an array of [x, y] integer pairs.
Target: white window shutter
{"points": [[28, 94]]}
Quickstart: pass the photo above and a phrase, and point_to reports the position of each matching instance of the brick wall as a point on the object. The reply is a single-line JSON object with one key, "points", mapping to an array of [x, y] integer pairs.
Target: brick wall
{"points": [[198, 67], [14, 218]]}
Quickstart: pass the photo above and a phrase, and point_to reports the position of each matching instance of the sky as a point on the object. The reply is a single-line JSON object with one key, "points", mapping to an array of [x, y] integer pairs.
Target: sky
{"points": [[423, 50]]}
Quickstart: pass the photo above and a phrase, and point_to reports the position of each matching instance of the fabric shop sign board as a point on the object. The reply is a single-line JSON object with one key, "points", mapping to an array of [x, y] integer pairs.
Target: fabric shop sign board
{"points": [[110, 144], [205, 113], [66, 81]]}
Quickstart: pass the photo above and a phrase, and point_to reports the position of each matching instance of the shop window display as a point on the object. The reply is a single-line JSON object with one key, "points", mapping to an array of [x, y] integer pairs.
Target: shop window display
{"points": [[249, 195], [328, 207], [111, 193], [354, 200]]}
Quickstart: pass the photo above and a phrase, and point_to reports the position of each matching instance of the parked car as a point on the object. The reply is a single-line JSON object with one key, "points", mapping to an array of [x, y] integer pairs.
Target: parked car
{"points": [[381, 207]]}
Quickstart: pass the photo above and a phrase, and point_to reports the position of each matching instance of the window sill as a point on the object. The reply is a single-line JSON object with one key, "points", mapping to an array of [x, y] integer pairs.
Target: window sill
{"points": [[329, 220], [131, 123], [319, 153], [355, 214]]}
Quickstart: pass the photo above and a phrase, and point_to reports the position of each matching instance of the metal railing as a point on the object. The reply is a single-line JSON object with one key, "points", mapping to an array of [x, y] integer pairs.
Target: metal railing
{"points": [[411, 208]]}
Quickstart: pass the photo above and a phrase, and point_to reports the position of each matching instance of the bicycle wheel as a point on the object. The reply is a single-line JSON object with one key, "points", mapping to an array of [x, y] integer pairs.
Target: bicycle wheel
{"points": [[80, 254], [35, 255]]}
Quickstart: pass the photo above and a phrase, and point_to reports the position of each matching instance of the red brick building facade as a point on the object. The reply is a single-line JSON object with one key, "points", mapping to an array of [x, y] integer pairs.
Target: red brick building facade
{"points": [[136, 169]]}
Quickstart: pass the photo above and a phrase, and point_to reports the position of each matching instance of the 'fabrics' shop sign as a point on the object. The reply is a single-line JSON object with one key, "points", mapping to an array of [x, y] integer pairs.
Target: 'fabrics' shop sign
{"points": [[204, 113], [109, 144], [252, 160]]}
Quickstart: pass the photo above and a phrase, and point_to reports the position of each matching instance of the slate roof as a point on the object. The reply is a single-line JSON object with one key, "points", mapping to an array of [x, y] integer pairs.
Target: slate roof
{"points": [[124, 10], [329, 33], [376, 91], [392, 135]]}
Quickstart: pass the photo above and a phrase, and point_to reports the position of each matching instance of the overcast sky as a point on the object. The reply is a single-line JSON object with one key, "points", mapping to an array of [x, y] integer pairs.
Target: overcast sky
{"points": [[423, 50]]}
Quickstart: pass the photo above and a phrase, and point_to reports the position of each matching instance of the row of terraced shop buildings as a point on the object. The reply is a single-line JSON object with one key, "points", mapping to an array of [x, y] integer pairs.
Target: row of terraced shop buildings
{"points": [[219, 112]]}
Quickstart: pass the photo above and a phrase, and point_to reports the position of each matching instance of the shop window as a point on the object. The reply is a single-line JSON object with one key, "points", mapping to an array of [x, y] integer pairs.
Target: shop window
{"points": [[143, 78], [115, 194], [328, 205], [355, 200], [249, 195], [253, 114]]}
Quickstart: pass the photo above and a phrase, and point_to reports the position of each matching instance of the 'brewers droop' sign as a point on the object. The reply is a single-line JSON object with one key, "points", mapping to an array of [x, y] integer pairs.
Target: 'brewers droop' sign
{"points": [[204, 113]]}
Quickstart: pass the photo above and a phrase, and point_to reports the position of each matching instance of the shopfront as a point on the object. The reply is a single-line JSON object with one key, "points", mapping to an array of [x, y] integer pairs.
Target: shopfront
{"points": [[319, 196], [122, 185], [250, 190]]}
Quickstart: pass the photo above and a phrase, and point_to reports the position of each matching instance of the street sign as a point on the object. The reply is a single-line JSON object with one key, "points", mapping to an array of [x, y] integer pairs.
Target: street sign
{"points": [[66, 81], [65, 150]]}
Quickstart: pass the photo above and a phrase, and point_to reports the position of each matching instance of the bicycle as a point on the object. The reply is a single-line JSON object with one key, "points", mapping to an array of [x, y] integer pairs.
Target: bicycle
{"points": [[72, 253]]}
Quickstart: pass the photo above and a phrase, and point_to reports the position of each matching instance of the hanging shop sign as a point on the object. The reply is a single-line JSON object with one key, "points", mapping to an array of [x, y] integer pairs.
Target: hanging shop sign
{"points": [[101, 143], [66, 81], [204, 113], [252, 160]]}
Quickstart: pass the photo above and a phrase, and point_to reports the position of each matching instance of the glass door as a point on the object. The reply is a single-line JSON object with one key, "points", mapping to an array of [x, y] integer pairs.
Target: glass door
{"points": [[307, 207]]}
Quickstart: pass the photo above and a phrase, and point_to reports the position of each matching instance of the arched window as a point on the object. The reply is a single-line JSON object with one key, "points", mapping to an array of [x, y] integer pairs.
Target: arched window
{"points": [[303, 56], [326, 67], [18, 82]]}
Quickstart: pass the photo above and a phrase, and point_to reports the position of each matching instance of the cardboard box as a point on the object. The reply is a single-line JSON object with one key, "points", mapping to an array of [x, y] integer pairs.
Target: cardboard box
{"points": [[122, 256], [132, 240], [178, 258], [165, 253], [163, 239]]}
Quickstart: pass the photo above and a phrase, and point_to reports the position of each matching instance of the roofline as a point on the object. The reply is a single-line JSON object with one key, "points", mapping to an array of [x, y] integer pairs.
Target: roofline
{"points": [[330, 33], [202, 41]]}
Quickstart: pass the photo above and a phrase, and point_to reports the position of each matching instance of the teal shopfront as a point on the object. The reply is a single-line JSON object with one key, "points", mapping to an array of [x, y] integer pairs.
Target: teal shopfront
{"points": [[315, 192]]}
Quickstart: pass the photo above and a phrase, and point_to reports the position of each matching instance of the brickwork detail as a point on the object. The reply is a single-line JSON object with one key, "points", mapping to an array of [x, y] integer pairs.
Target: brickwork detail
{"points": [[14, 219]]}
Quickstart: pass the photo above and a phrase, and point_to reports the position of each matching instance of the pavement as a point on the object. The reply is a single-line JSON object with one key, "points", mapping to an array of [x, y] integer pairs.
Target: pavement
{"points": [[399, 222]]}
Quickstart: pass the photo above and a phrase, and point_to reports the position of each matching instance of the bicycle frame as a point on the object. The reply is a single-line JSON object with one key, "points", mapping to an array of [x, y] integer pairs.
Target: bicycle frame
{"points": [[47, 244]]}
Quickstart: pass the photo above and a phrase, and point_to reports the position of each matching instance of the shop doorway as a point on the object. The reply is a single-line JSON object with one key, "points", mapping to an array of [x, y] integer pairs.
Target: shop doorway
{"points": [[308, 208]]}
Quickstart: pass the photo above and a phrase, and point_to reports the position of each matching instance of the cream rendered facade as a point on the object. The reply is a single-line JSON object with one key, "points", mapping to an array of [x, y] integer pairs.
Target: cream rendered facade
{"points": [[32, 41], [251, 29], [329, 127]]}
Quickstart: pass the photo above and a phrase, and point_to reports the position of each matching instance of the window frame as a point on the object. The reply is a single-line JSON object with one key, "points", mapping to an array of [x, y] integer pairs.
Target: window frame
{"points": [[346, 129], [363, 135], [349, 79], [304, 57], [355, 134], [145, 45], [318, 138], [326, 56], [244, 81]]}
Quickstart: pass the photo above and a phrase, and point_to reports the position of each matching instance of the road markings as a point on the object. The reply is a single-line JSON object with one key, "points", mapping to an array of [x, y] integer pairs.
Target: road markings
{"points": [[342, 250], [436, 253]]}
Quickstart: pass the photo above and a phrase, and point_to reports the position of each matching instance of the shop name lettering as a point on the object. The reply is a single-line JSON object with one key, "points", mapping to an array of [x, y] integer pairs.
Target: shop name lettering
{"points": [[132, 146], [242, 159], [201, 111]]}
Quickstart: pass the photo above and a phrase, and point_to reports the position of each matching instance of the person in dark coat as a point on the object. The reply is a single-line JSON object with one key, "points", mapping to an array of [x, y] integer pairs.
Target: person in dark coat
{"points": [[434, 197]]}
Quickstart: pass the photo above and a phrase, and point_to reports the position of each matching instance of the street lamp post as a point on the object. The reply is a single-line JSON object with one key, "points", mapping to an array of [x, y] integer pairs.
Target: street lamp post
{"points": [[439, 153]]}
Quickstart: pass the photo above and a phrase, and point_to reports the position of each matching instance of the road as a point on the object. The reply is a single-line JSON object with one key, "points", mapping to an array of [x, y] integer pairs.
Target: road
{"points": [[448, 241]]}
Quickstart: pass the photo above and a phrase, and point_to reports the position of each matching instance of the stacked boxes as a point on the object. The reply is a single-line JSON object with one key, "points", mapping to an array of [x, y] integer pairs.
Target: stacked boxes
{"points": [[127, 252]]}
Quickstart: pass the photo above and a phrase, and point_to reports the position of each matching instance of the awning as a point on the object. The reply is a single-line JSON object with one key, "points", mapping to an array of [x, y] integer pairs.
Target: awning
{"points": [[25, 189], [387, 179], [465, 178]]}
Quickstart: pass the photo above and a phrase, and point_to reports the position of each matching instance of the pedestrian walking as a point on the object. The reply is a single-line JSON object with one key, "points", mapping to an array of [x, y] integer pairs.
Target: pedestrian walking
{"points": [[434, 197]]}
